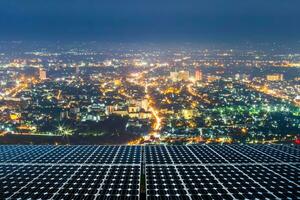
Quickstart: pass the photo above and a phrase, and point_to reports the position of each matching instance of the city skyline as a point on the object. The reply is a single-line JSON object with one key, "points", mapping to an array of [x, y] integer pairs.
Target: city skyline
{"points": [[83, 93]]}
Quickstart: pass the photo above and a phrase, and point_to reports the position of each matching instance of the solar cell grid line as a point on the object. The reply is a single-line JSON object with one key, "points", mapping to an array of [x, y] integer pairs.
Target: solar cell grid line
{"points": [[213, 175], [254, 154], [251, 178], [249, 146], [286, 150], [50, 167], [17, 169], [16, 155], [7, 148], [203, 153], [208, 168], [14, 147], [105, 176], [24, 164], [6, 169], [180, 155], [81, 155], [272, 171], [279, 155], [104, 155], [11, 172], [57, 155], [72, 175], [29, 182], [297, 166], [292, 173], [290, 146], [46, 184], [122, 182], [29, 157], [279, 186], [69, 153], [84, 183], [286, 156], [228, 192], [240, 185], [156, 155], [163, 183], [179, 175], [4, 148], [296, 146], [67, 181], [129, 154], [228, 154], [41, 174]]}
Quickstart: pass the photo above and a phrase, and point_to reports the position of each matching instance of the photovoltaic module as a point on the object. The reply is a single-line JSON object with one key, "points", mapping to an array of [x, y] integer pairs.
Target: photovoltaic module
{"points": [[151, 172]]}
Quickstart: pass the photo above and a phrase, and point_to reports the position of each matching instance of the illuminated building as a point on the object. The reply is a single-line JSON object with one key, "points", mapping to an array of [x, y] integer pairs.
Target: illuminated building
{"points": [[198, 75], [42, 74], [132, 109], [212, 78], [142, 103], [275, 77], [297, 99], [187, 114], [107, 63], [173, 76], [179, 76], [109, 110], [242, 77], [15, 116]]}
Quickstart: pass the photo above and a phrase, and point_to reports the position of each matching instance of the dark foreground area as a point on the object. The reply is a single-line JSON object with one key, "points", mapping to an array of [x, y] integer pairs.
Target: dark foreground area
{"points": [[152, 172], [68, 140]]}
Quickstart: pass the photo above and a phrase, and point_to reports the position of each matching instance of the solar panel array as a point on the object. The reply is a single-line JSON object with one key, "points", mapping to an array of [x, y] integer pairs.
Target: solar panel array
{"points": [[154, 172]]}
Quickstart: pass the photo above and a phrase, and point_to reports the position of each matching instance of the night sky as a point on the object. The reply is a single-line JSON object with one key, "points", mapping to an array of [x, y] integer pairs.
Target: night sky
{"points": [[150, 20]]}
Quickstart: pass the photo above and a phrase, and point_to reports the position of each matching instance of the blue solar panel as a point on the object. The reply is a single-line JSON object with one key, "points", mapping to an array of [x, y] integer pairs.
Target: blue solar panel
{"points": [[159, 172]]}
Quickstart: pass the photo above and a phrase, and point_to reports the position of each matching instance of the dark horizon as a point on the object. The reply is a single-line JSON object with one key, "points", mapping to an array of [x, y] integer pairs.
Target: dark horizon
{"points": [[150, 21]]}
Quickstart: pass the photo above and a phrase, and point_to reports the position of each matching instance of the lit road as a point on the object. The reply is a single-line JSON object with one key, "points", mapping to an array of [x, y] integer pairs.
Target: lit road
{"points": [[270, 92], [193, 93], [16, 90], [157, 123]]}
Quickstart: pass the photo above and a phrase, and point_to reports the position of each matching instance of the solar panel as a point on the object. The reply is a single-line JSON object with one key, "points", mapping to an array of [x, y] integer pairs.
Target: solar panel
{"points": [[158, 171], [287, 149], [157, 155], [229, 154], [239, 184], [280, 155], [280, 186], [254, 154], [202, 184], [163, 182], [206, 155]]}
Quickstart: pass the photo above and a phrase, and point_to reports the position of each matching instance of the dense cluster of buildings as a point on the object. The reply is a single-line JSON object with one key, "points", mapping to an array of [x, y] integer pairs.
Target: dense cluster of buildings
{"points": [[175, 98]]}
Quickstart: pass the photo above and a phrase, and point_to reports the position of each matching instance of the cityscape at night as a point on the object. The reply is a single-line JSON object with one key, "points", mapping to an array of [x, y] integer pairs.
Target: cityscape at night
{"points": [[149, 99], [154, 95]]}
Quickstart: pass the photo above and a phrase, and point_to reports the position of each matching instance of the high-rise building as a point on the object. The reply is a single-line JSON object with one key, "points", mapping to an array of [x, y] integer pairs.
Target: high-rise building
{"points": [[42, 74], [198, 75]]}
